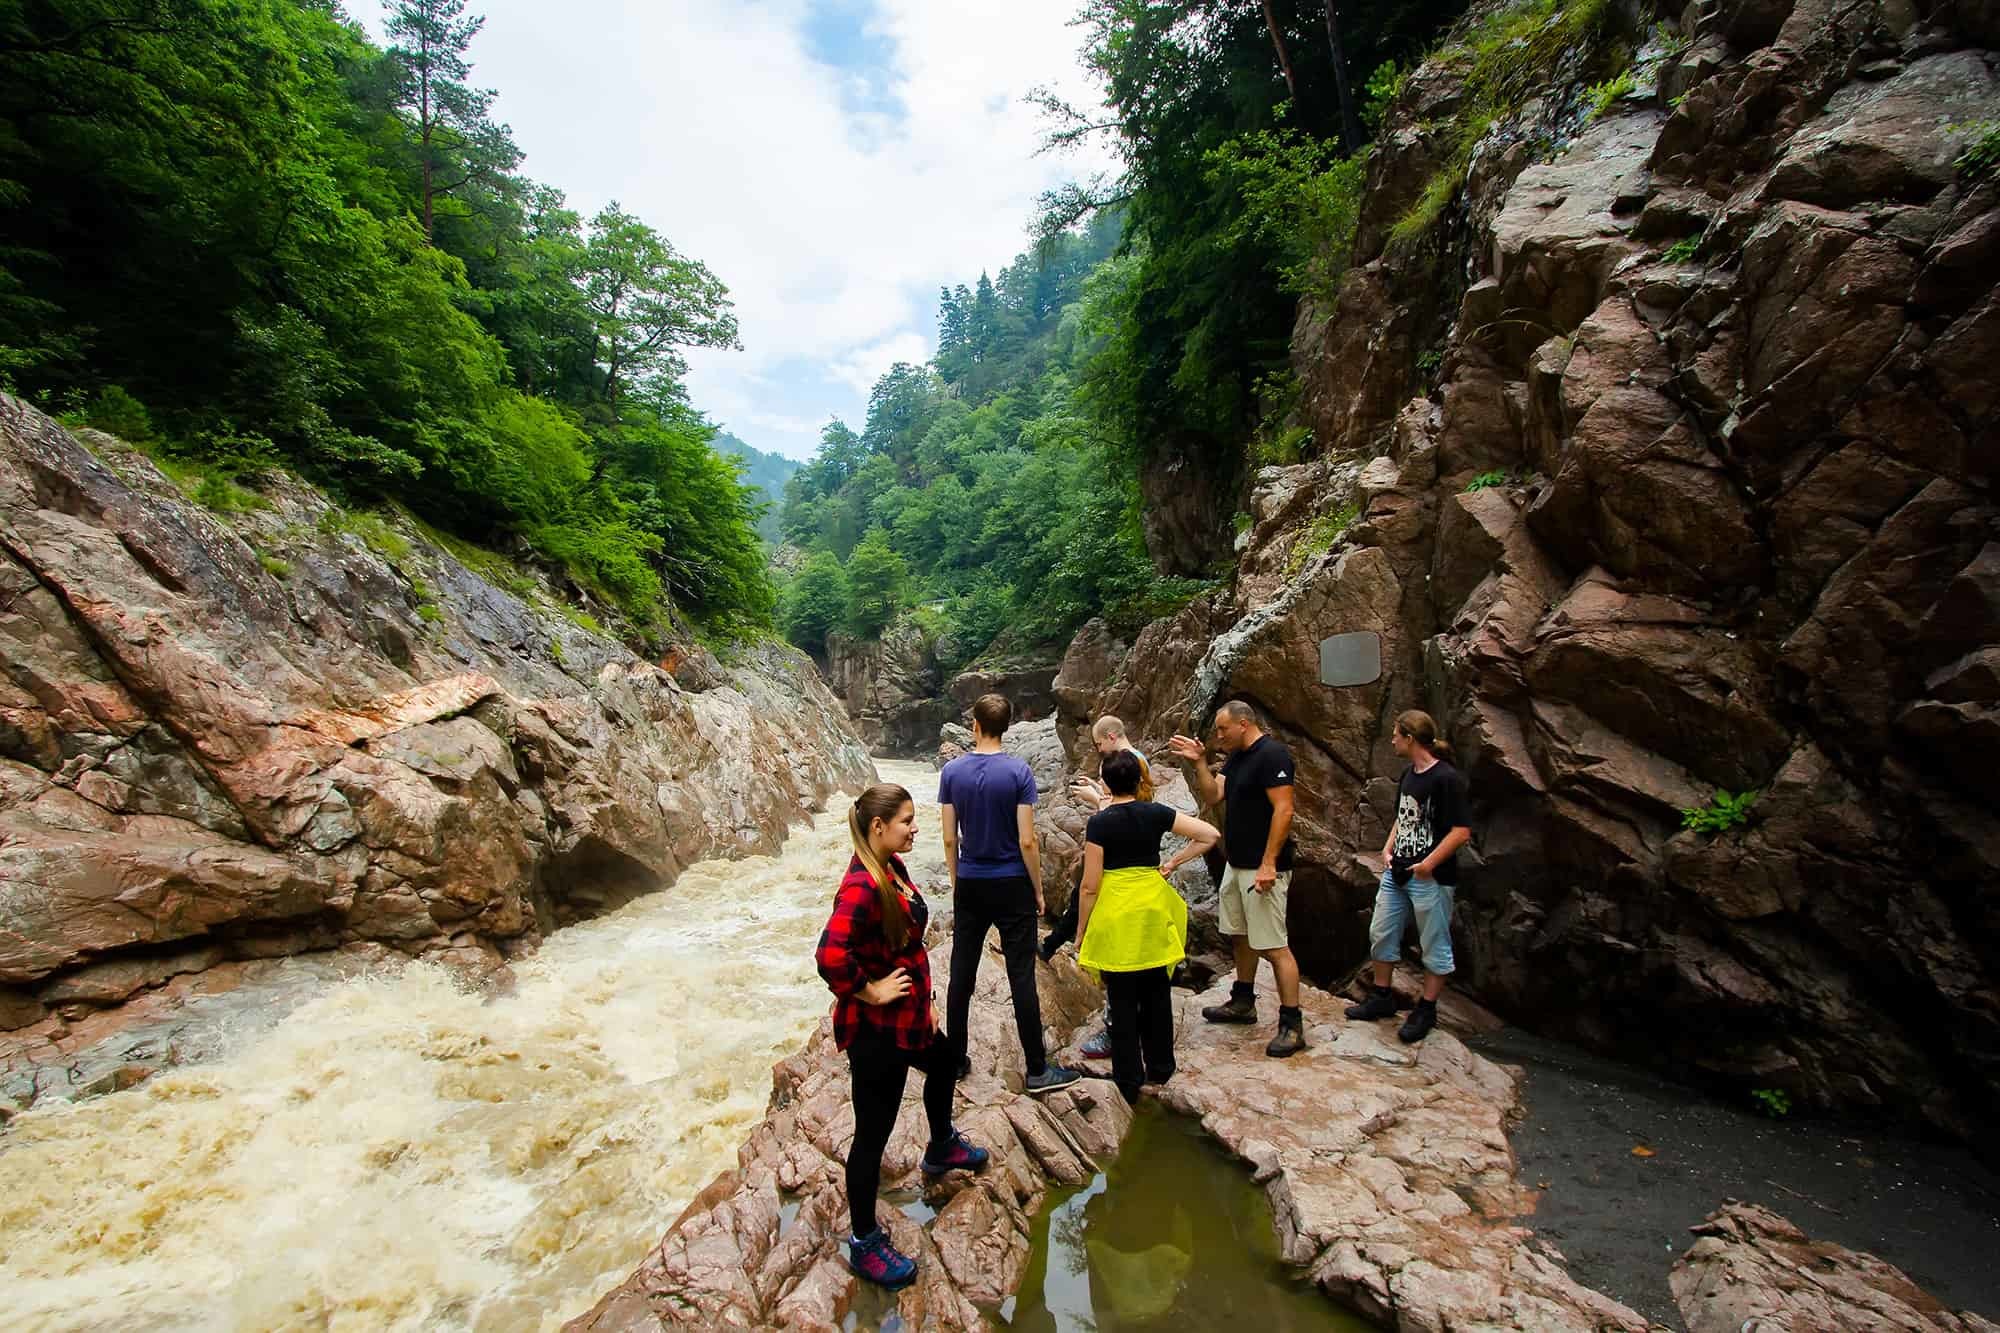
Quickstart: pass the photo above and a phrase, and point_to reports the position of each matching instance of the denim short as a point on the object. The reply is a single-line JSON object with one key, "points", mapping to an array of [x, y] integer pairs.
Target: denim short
{"points": [[1430, 902]]}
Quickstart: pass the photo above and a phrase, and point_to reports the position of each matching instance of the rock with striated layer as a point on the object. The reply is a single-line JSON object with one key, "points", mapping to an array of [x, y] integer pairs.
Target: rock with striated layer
{"points": [[1697, 497], [1751, 1269], [205, 757]]}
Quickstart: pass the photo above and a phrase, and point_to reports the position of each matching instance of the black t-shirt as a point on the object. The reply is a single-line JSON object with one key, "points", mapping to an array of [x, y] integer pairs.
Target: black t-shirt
{"points": [[1130, 833], [1247, 810], [1429, 805]]}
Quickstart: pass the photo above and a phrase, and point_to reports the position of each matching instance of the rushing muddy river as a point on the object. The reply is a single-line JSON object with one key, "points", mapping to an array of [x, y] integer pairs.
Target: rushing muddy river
{"points": [[398, 1153]]}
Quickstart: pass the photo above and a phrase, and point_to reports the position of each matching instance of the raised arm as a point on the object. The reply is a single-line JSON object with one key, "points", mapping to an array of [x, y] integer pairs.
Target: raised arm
{"points": [[1207, 785]]}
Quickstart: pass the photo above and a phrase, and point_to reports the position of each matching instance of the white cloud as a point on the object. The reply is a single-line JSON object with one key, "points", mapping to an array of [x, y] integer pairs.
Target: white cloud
{"points": [[860, 368], [833, 224]]}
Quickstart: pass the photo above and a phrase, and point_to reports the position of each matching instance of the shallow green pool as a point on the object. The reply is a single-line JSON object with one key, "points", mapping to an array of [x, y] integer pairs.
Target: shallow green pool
{"points": [[1174, 1236]]}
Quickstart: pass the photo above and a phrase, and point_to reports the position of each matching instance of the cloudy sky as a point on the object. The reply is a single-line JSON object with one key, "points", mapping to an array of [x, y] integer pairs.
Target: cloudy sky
{"points": [[834, 161]]}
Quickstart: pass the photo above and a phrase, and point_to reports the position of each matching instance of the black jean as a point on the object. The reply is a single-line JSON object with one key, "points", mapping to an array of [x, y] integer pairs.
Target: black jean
{"points": [[979, 905], [879, 1069], [1142, 1028]]}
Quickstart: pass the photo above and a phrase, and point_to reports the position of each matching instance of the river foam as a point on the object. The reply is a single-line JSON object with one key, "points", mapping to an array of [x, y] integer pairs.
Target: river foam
{"points": [[399, 1153]]}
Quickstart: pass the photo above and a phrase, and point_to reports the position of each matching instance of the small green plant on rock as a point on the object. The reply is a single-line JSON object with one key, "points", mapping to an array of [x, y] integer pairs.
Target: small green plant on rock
{"points": [[1385, 85], [1773, 1102], [1487, 480], [1599, 96], [1720, 815], [1319, 537], [372, 529], [1982, 155], [1683, 250], [273, 566]]}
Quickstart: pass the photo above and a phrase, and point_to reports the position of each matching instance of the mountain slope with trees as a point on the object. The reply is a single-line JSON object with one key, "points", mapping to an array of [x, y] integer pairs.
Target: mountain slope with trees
{"points": [[244, 235]]}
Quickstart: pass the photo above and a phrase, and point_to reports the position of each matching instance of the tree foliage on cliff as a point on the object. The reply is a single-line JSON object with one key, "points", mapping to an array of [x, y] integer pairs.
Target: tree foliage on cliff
{"points": [[289, 244], [1240, 188], [986, 489]]}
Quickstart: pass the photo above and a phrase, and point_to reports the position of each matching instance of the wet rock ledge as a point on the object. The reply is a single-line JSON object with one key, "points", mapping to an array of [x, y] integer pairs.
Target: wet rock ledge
{"points": [[1389, 1172]]}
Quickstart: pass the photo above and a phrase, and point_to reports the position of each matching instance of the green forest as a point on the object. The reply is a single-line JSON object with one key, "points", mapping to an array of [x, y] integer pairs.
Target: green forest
{"points": [[245, 236], [992, 494]]}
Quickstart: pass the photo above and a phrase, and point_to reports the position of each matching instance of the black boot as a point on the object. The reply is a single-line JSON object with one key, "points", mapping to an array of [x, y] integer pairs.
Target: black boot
{"points": [[1421, 1020], [1291, 1038], [1381, 1003], [1241, 1008]]}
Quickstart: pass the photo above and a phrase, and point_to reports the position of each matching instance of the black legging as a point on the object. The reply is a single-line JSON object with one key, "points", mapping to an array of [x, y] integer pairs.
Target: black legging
{"points": [[880, 1069], [978, 905], [1142, 1028]]}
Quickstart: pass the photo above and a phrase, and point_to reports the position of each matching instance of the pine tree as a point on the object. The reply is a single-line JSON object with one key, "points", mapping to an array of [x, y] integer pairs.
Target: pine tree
{"points": [[457, 142]]}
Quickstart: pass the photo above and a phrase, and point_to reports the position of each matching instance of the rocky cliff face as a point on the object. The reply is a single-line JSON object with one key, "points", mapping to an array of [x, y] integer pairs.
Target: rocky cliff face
{"points": [[267, 735], [1667, 466], [892, 686], [900, 696]]}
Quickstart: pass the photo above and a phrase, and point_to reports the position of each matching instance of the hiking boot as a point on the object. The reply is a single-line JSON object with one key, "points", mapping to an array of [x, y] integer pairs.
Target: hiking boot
{"points": [[1241, 1007], [1098, 1047], [1422, 1019], [964, 1068], [873, 1257], [1291, 1039], [1055, 1076], [956, 1155], [1381, 1003]]}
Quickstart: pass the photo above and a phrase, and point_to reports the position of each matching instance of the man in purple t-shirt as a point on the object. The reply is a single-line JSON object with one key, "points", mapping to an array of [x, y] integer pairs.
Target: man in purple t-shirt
{"points": [[995, 862]]}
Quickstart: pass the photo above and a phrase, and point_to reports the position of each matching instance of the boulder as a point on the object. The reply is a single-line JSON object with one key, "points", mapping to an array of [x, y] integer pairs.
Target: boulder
{"points": [[1750, 1268]]}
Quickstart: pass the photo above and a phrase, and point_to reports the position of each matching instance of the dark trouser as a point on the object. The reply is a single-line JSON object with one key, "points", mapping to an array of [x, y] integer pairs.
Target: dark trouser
{"points": [[1142, 1028], [978, 905], [879, 1069]]}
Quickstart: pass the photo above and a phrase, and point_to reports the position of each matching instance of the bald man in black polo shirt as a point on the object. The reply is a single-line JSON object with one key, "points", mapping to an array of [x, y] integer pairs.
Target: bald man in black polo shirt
{"points": [[1255, 791]]}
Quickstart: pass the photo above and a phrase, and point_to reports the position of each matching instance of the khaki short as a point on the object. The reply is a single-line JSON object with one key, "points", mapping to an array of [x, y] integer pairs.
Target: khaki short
{"points": [[1259, 916]]}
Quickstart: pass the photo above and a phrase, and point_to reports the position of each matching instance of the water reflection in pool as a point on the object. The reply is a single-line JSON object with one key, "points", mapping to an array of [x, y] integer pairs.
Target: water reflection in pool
{"points": [[1173, 1236]]}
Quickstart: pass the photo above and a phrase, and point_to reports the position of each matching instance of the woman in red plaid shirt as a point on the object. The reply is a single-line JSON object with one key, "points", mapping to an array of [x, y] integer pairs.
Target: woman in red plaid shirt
{"points": [[872, 956]]}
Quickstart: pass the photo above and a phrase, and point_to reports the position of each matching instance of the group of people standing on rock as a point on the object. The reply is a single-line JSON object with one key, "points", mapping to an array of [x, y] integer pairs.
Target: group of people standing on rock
{"points": [[1129, 922]]}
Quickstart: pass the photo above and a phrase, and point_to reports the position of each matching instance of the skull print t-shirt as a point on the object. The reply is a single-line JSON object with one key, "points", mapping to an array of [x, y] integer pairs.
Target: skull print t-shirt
{"points": [[1429, 805]]}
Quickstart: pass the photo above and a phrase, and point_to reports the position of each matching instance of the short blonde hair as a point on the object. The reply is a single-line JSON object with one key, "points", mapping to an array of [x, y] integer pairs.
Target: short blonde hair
{"points": [[1107, 727]]}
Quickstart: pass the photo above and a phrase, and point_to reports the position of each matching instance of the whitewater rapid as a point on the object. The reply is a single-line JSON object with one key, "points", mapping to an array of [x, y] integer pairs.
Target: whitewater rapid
{"points": [[401, 1153]]}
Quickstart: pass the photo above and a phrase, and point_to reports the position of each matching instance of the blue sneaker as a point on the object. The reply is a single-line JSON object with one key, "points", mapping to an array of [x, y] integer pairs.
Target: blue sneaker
{"points": [[873, 1257], [957, 1155], [1098, 1047]]}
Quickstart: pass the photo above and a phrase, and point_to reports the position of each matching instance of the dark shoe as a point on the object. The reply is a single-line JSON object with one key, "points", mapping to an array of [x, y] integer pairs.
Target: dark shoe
{"points": [[1291, 1039], [1055, 1076], [1422, 1019], [1241, 1007], [956, 1155], [1381, 1003], [1098, 1047], [873, 1257], [964, 1067]]}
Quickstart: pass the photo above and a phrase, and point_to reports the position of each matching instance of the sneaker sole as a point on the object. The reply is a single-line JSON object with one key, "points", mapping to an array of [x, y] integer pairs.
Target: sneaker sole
{"points": [[886, 1286], [1231, 1022], [935, 1171], [1053, 1087]]}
